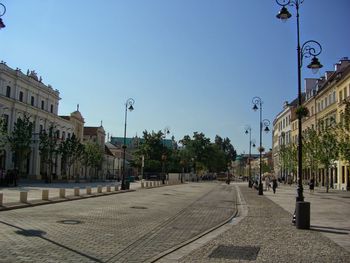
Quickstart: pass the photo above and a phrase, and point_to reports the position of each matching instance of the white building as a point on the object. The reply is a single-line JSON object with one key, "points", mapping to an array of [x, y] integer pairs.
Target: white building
{"points": [[25, 94]]}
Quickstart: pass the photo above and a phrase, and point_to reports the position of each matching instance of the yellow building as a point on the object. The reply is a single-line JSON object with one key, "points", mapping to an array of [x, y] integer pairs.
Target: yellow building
{"points": [[342, 87]]}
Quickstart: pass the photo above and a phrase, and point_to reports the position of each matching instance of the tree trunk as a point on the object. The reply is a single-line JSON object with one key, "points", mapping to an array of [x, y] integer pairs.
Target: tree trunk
{"points": [[327, 179]]}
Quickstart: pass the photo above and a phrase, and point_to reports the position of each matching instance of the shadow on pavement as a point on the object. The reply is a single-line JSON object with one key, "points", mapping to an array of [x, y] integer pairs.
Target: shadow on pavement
{"points": [[40, 233]]}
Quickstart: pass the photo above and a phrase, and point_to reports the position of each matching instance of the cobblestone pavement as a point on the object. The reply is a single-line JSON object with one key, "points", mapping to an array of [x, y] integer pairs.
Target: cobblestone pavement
{"points": [[129, 227], [267, 235]]}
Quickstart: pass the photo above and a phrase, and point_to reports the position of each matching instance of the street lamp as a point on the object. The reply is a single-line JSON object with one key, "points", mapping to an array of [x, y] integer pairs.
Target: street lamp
{"points": [[128, 106], [248, 130], [264, 124], [312, 49], [166, 131], [2, 25]]}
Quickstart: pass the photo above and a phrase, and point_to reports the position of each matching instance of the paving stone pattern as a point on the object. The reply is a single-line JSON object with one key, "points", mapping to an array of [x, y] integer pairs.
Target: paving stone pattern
{"points": [[269, 227], [113, 228]]}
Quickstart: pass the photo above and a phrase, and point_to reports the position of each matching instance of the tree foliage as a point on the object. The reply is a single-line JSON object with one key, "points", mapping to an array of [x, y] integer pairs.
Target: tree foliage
{"points": [[48, 147], [20, 140], [3, 135], [71, 150]]}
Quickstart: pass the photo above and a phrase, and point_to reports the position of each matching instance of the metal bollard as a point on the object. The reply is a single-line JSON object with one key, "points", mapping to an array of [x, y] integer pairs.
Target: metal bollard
{"points": [[23, 197], [62, 193], [108, 188], [99, 189], [76, 191], [1, 198], [88, 190], [45, 195]]}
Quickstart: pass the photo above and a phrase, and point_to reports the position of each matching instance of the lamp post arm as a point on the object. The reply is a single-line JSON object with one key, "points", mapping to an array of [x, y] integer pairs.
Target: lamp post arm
{"points": [[4, 9]]}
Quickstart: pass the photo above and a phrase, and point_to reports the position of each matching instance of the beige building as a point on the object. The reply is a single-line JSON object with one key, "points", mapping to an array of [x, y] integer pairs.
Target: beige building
{"points": [[342, 87], [26, 95], [324, 99]]}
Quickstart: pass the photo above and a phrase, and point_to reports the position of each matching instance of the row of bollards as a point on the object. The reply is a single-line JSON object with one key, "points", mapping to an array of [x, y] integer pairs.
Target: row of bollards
{"points": [[23, 195], [152, 184]]}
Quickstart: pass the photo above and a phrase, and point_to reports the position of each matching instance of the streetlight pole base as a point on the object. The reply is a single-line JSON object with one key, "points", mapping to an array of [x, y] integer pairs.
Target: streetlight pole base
{"points": [[302, 215], [261, 192]]}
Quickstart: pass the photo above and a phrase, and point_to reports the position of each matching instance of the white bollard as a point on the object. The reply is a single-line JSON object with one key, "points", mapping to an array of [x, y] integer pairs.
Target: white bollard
{"points": [[88, 190], [23, 197], [116, 187], [108, 188], [146, 184], [1, 198], [76, 191], [99, 189], [62, 193], [142, 184], [45, 195]]}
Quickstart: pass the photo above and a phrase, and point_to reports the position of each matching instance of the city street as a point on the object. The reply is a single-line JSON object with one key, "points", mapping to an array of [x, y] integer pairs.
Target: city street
{"points": [[128, 227]]}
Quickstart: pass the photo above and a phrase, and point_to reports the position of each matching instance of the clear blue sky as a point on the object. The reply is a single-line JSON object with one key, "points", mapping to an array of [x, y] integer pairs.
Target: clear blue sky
{"points": [[191, 65]]}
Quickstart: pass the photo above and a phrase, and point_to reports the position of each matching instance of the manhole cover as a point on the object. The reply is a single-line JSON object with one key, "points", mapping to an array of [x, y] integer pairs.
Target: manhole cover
{"points": [[235, 252], [167, 194], [138, 207], [70, 222]]}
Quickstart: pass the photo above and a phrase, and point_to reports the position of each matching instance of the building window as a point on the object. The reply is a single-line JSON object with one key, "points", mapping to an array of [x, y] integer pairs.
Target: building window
{"points": [[41, 128], [340, 96], [335, 175], [42, 104], [326, 102], [345, 93], [63, 135], [8, 91], [51, 108], [32, 100], [21, 96], [343, 174]]}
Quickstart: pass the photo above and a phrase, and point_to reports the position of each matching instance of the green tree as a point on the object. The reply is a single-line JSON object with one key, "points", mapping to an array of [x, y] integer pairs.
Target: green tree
{"points": [[343, 131], [3, 135], [152, 149], [48, 148], [311, 145], [20, 140], [328, 152], [92, 157], [71, 150]]}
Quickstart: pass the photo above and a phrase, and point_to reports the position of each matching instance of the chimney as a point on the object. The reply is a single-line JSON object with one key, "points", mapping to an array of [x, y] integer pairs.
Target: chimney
{"points": [[343, 62], [328, 73]]}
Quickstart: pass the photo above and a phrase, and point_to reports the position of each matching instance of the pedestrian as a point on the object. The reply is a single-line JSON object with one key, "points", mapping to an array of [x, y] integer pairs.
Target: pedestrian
{"points": [[267, 183], [312, 185], [274, 185]]}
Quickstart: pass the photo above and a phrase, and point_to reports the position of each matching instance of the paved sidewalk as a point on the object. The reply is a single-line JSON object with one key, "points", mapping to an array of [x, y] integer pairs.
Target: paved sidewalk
{"points": [[131, 227], [11, 194], [330, 212], [267, 235]]}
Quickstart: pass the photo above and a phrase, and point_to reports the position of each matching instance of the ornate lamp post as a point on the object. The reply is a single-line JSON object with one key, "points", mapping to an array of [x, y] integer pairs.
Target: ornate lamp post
{"points": [[312, 49], [2, 25], [264, 124], [128, 106], [248, 130], [166, 131]]}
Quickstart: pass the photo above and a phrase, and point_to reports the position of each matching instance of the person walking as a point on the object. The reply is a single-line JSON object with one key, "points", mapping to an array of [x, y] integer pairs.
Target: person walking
{"points": [[274, 184], [312, 185]]}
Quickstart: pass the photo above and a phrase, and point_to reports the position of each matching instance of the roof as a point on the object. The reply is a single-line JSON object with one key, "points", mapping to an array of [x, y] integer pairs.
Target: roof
{"points": [[90, 131], [135, 141]]}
